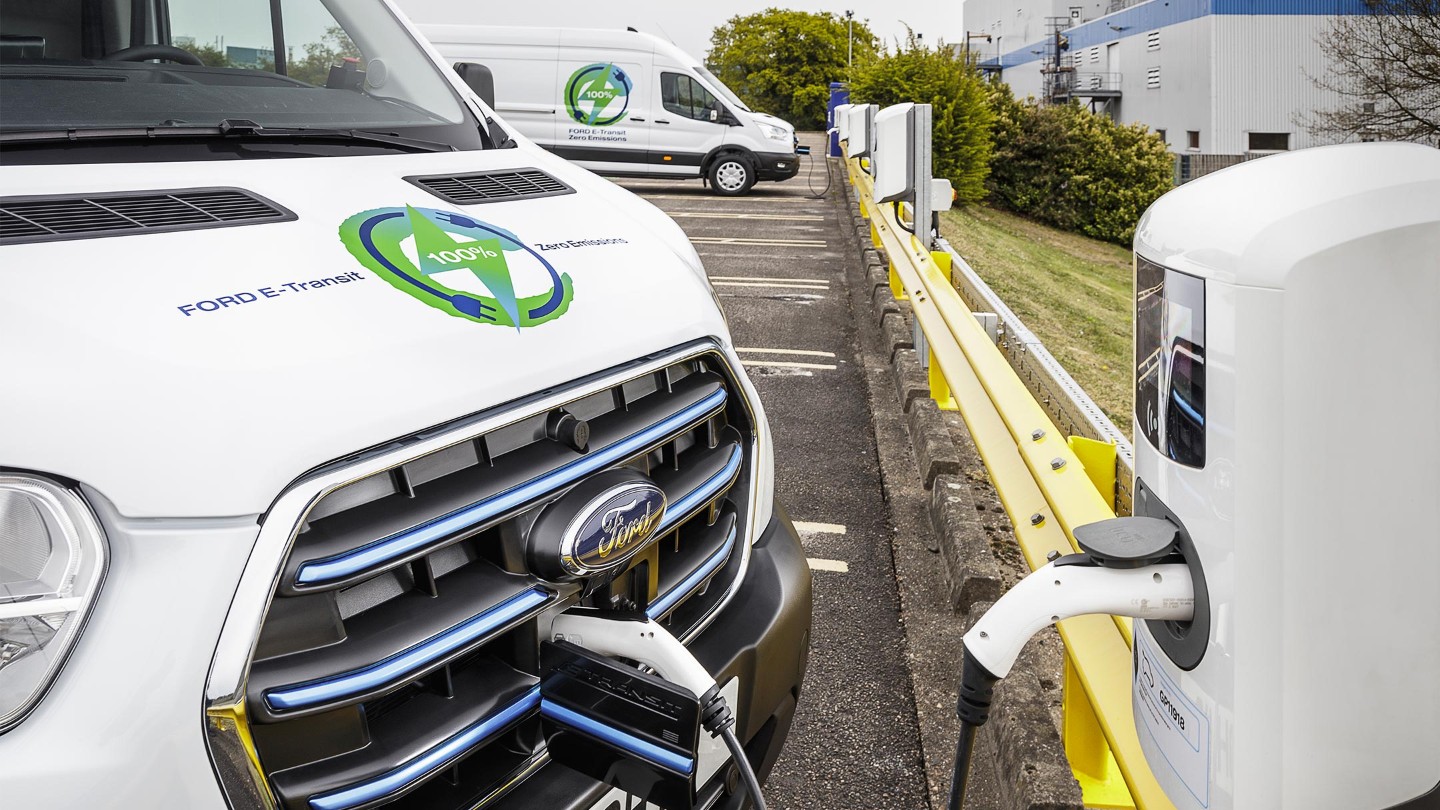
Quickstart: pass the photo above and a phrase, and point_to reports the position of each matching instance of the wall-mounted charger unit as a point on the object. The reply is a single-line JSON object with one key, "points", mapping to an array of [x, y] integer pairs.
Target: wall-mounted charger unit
{"points": [[893, 155], [860, 130], [840, 120]]}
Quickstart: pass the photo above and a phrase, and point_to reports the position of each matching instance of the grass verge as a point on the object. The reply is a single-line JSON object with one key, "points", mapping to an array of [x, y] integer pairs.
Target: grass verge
{"points": [[1072, 291]]}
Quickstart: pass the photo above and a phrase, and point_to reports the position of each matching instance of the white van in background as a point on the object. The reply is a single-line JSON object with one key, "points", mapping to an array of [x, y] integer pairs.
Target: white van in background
{"points": [[623, 103]]}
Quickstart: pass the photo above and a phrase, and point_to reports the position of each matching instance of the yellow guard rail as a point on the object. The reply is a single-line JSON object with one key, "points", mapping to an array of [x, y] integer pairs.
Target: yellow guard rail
{"points": [[1048, 485]]}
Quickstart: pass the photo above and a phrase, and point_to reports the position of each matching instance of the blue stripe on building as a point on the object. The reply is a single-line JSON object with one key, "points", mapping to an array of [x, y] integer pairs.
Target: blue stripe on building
{"points": [[1156, 14]]}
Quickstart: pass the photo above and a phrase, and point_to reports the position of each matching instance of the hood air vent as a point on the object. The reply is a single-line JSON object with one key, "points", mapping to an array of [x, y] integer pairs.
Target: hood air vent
{"points": [[43, 219], [484, 187]]}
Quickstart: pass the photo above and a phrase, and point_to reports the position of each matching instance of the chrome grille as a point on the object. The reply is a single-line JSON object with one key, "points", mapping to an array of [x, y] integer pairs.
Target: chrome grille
{"points": [[403, 635]]}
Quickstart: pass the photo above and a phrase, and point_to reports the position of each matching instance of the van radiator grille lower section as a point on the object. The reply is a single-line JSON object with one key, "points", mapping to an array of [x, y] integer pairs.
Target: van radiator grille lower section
{"points": [[397, 665]]}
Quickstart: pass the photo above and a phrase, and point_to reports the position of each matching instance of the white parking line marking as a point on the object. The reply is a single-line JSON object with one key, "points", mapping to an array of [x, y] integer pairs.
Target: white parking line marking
{"points": [[826, 282], [836, 566], [783, 364], [769, 284], [806, 352], [818, 528], [718, 215], [740, 240]]}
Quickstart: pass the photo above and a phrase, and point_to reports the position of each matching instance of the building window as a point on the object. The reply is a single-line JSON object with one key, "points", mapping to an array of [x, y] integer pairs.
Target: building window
{"points": [[1152, 41], [1160, 133], [1095, 55], [1152, 78], [1192, 139], [1269, 141], [1368, 108]]}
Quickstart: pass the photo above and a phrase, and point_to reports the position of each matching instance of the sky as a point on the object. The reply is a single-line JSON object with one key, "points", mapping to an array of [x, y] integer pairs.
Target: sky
{"points": [[688, 23]]}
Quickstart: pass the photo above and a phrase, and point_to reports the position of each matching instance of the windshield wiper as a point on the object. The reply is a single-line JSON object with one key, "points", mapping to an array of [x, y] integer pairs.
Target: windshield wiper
{"points": [[230, 128]]}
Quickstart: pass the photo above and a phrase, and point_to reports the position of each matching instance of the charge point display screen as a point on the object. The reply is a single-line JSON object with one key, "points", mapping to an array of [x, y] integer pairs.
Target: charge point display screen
{"points": [[1170, 361]]}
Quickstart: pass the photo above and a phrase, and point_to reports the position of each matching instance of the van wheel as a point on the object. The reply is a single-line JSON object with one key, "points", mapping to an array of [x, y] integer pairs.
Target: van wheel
{"points": [[731, 175]]}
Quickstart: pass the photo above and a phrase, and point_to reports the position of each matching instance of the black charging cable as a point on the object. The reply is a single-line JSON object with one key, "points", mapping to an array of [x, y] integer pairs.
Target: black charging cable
{"points": [[977, 688], [715, 716], [810, 175]]}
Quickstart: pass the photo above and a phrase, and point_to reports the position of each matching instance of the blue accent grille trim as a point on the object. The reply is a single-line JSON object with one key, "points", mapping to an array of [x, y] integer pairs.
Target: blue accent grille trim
{"points": [[438, 757], [629, 742], [677, 512], [672, 597], [402, 665], [341, 566]]}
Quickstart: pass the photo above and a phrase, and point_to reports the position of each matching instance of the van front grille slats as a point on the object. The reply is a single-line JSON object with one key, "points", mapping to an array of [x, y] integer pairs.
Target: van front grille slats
{"points": [[512, 486], [484, 187], [413, 640], [417, 633], [48, 218], [688, 569], [432, 735]]}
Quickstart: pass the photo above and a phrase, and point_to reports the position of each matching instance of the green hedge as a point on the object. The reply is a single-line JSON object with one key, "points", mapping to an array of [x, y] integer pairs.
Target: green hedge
{"points": [[960, 116], [1063, 165]]}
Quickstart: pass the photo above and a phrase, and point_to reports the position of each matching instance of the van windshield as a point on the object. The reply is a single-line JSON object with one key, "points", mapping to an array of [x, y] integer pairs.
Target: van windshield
{"points": [[291, 64], [720, 89]]}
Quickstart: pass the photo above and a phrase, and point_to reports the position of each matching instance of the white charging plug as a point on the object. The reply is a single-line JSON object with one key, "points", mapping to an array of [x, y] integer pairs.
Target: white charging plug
{"points": [[1058, 591], [638, 638]]}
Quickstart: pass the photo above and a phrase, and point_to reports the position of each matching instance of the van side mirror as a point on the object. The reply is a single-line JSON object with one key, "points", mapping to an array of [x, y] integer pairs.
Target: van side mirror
{"points": [[479, 79], [714, 115]]}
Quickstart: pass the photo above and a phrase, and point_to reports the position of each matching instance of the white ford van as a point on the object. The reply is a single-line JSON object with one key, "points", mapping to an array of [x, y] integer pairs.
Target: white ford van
{"points": [[624, 103], [306, 358]]}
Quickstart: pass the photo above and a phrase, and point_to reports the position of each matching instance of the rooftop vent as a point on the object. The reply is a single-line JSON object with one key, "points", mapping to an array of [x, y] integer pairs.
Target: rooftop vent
{"points": [[50, 218]]}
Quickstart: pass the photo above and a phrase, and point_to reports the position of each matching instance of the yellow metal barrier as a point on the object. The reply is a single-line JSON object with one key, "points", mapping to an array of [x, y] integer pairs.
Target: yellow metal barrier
{"points": [[1048, 486]]}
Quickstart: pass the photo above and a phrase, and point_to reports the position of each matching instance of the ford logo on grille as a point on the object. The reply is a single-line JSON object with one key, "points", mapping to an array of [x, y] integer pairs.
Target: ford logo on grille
{"points": [[597, 526]]}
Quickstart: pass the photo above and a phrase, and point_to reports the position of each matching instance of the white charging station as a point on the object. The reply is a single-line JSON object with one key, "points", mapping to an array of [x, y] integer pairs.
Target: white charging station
{"points": [[841, 121], [1288, 420], [860, 130], [894, 154]]}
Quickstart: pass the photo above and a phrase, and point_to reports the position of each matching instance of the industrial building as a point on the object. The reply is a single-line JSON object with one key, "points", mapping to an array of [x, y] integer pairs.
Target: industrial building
{"points": [[1212, 77]]}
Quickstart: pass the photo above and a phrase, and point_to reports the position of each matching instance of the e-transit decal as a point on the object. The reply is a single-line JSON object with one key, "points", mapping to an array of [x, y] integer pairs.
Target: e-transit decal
{"points": [[459, 265], [598, 95], [260, 294], [574, 243]]}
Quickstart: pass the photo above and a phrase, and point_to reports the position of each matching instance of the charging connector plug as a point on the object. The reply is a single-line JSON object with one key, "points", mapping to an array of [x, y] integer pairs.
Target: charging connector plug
{"points": [[1128, 568], [638, 638]]}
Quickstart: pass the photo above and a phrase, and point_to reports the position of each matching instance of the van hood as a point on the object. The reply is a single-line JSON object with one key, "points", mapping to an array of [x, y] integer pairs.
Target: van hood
{"points": [[196, 373]]}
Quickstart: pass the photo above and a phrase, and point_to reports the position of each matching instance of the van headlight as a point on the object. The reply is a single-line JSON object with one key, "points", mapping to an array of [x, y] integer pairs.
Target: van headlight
{"points": [[52, 559], [775, 133]]}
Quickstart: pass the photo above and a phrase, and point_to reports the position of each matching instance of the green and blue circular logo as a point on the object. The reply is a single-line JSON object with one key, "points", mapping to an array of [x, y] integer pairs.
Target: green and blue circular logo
{"points": [[598, 95], [459, 265]]}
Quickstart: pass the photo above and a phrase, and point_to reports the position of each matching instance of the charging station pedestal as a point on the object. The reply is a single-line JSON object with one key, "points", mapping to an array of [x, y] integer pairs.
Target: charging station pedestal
{"points": [[1288, 420]]}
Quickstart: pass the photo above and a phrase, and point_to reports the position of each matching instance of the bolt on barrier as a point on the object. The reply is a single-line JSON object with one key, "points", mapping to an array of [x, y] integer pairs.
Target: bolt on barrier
{"points": [[1048, 483]]}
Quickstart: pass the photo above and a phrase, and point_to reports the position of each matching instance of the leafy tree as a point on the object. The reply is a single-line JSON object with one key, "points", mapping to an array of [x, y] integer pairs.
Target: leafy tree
{"points": [[1066, 166], [782, 62], [960, 121], [1386, 69]]}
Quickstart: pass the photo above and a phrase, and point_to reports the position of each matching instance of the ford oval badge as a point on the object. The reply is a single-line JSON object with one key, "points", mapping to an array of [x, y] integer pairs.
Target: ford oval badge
{"points": [[597, 526]]}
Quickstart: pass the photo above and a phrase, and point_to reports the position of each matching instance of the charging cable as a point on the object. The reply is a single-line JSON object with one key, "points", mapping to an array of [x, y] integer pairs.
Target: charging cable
{"points": [[1128, 568], [638, 638]]}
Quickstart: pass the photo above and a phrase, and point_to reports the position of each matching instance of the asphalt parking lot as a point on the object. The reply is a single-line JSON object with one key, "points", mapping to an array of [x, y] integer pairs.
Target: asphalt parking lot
{"points": [[778, 260]]}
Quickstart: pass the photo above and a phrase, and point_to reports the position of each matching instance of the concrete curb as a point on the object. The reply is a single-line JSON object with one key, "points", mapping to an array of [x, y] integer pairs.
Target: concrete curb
{"points": [[1021, 745]]}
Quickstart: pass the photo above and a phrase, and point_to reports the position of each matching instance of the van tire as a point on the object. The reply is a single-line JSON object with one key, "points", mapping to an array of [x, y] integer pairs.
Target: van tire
{"points": [[731, 175]]}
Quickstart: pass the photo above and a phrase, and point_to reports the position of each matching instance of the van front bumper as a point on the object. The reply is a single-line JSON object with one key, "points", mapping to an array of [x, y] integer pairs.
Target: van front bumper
{"points": [[776, 165]]}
